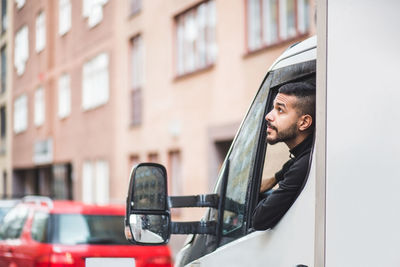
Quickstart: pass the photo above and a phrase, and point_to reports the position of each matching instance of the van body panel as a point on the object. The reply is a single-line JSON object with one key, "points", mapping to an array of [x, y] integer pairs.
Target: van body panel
{"points": [[289, 243], [296, 53], [307, 55], [363, 144]]}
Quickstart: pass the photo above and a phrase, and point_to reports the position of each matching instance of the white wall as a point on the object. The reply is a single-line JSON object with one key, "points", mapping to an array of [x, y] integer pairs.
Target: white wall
{"points": [[363, 172]]}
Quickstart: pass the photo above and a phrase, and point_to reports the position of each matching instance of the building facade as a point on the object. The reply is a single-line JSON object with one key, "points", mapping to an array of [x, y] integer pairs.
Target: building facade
{"points": [[63, 99], [101, 85]]}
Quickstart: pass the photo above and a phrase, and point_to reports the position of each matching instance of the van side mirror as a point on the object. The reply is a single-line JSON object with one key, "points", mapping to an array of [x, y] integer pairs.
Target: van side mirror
{"points": [[147, 219]]}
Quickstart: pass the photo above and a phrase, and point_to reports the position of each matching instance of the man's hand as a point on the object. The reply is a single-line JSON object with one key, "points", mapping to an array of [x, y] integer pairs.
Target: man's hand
{"points": [[267, 184]]}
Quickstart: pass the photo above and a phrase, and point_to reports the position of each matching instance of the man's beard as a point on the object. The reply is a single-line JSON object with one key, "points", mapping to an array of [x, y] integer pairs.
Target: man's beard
{"points": [[283, 135]]}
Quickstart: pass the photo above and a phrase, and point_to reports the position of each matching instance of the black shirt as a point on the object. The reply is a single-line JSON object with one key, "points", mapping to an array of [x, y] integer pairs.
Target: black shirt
{"points": [[291, 178]]}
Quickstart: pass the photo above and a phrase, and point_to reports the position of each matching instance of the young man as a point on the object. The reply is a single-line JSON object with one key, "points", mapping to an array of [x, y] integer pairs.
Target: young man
{"points": [[290, 121]]}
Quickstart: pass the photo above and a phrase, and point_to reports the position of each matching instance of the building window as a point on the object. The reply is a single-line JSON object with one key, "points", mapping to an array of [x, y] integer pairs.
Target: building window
{"points": [[153, 157], [93, 11], [137, 79], [39, 106], [64, 16], [95, 82], [136, 107], [3, 15], [40, 32], [137, 62], [3, 130], [133, 161], [64, 96], [3, 77], [195, 38], [43, 151], [175, 173], [273, 21], [62, 181], [20, 3], [21, 52], [135, 6], [95, 182], [87, 182], [303, 16], [4, 184], [3, 122], [21, 114], [102, 183]]}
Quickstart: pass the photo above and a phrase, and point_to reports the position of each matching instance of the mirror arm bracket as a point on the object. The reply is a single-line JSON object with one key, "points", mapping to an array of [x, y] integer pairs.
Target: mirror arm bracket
{"points": [[195, 201], [200, 227]]}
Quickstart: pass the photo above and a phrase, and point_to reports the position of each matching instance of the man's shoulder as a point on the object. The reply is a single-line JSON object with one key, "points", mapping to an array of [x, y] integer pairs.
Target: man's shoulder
{"points": [[301, 162], [298, 170]]}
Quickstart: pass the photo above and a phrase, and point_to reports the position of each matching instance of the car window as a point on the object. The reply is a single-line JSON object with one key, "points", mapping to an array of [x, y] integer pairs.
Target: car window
{"points": [[75, 229], [39, 230], [13, 223], [3, 212], [241, 164]]}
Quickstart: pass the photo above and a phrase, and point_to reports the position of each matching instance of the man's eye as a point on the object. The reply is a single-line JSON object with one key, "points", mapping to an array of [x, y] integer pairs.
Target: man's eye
{"points": [[280, 110]]}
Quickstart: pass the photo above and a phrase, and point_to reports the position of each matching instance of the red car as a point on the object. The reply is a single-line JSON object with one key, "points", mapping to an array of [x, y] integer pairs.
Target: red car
{"points": [[40, 232]]}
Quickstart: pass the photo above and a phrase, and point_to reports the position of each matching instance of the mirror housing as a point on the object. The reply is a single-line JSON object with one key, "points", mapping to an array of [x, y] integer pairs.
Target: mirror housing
{"points": [[147, 219]]}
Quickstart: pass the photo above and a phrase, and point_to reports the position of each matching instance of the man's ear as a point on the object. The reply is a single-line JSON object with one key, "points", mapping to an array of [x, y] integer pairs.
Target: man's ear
{"points": [[305, 122]]}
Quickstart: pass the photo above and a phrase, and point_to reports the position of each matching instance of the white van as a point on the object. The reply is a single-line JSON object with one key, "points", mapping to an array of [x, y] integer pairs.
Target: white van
{"points": [[347, 214], [225, 235]]}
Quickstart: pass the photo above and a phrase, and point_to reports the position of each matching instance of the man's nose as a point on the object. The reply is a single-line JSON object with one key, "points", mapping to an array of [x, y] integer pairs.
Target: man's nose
{"points": [[269, 116]]}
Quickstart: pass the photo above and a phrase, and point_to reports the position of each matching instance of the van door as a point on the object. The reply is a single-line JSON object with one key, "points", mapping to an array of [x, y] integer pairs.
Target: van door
{"points": [[247, 161], [234, 179]]}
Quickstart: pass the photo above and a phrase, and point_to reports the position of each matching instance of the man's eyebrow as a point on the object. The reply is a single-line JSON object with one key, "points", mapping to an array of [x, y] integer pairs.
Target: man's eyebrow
{"points": [[280, 104]]}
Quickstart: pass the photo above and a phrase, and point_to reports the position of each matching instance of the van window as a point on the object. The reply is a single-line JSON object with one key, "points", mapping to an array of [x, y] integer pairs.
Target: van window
{"points": [[241, 165], [246, 158], [278, 154]]}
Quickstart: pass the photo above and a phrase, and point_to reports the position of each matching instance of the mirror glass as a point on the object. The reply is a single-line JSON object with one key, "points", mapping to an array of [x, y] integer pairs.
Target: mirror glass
{"points": [[149, 228], [149, 188]]}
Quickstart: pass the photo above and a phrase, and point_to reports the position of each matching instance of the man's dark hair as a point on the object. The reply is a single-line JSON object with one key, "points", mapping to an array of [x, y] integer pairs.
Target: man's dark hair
{"points": [[305, 93]]}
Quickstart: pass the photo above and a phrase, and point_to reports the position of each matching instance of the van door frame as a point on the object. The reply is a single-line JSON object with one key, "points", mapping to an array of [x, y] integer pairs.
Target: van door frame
{"points": [[262, 148], [320, 134]]}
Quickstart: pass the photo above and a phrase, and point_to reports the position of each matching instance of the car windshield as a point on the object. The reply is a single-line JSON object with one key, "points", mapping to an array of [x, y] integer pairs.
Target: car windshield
{"points": [[74, 229], [3, 212]]}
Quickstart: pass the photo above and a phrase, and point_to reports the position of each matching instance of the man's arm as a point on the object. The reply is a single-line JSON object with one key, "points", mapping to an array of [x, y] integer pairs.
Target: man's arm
{"points": [[271, 209], [267, 184]]}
